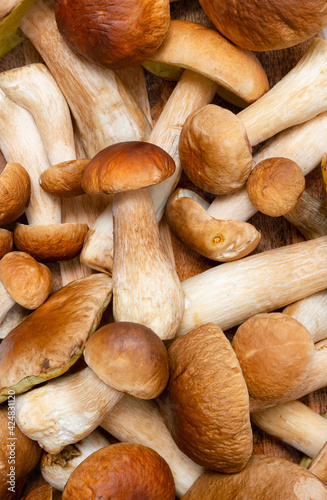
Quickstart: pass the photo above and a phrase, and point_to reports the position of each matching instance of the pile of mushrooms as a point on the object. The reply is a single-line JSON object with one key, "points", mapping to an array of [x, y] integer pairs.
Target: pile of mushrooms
{"points": [[150, 399]]}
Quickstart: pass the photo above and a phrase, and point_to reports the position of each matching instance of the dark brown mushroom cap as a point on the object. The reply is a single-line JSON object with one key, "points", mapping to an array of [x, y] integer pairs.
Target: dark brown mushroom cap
{"points": [[275, 186], [15, 190], [129, 357], [52, 338], [263, 478], [17, 451], [64, 179], [126, 166], [275, 353], [207, 407], [6, 242], [121, 471], [268, 24], [50, 242], [27, 281]]}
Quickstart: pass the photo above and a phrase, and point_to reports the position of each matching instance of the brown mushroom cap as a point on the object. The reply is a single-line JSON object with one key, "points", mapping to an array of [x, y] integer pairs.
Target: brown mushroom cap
{"points": [[126, 166], [52, 338], [268, 24], [207, 407], [129, 357], [116, 34], [6, 242], [15, 190], [264, 477], [51, 242], [27, 281], [275, 353], [121, 471], [214, 150], [221, 240], [190, 45], [275, 186], [64, 179]]}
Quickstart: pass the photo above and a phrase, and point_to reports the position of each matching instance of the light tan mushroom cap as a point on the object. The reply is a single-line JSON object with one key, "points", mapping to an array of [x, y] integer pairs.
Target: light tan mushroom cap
{"points": [[190, 45], [51, 242], [215, 151], [64, 179], [263, 478], [129, 357], [127, 166], [15, 190], [218, 240], [6, 242], [275, 353], [27, 281], [52, 338], [275, 186], [207, 407]]}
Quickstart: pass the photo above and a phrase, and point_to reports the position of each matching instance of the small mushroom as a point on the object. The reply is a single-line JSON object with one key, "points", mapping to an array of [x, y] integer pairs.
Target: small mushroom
{"points": [[130, 358], [215, 239], [64, 179], [15, 190], [121, 471], [6, 242], [275, 186], [207, 404]]}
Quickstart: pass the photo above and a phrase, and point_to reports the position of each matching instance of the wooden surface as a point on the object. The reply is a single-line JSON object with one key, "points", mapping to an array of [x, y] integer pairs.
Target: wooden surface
{"points": [[275, 232]]}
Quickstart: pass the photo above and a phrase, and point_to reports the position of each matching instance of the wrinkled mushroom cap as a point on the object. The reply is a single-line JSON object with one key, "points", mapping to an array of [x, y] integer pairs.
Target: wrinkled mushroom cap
{"points": [[221, 240], [64, 179], [126, 166], [207, 408], [52, 338], [268, 24], [275, 353], [27, 281], [264, 477], [129, 357], [275, 186], [215, 151], [6, 242], [50, 242], [121, 471], [15, 190]]}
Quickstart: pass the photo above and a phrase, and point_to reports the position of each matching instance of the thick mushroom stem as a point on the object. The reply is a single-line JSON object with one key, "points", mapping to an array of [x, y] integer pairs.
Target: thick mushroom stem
{"points": [[137, 421], [309, 216], [295, 424], [191, 92], [146, 288], [230, 293], [6, 302]]}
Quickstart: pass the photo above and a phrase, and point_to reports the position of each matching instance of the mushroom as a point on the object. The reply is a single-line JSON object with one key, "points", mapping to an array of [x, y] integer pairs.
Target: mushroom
{"points": [[6, 242], [64, 179], [266, 26], [11, 13], [207, 403], [55, 333], [116, 35], [309, 216], [146, 288], [121, 471], [275, 186], [13, 318], [15, 190], [215, 239]]}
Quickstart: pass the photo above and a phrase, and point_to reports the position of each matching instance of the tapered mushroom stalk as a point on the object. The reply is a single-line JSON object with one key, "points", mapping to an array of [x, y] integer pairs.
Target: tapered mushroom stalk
{"points": [[309, 216], [145, 285]]}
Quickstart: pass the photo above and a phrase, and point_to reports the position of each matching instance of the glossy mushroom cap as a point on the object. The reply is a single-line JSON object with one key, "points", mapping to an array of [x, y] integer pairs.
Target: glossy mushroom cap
{"points": [[127, 166], [15, 190], [27, 281], [264, 477], [64, 179], [207, 405], [121, 471], [6, 242], [275, 353], [268, 24], [275, 186], [116, 34], [129, 357]]}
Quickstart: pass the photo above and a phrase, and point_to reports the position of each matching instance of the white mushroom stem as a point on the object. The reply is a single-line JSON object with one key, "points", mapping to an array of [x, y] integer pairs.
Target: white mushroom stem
{"points": [[138, 421], [103, 108], [13, 318], [305, 144], [309, 216], [65, 410], [134, 80], [6, 302], [232, 292], [295, 424], [191, 92]]}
